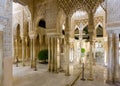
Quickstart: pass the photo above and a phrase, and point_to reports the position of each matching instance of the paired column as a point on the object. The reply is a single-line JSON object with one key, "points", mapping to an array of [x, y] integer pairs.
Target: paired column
{"points": [[33, 50], [113, 57], [52, 59]]}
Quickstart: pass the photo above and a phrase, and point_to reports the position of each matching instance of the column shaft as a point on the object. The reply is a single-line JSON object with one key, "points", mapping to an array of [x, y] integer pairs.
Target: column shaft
{"points": [[55, 54], [52, 53], [49, 54], [31, 52], [23, 51], [110, 47], [34, 54], [116, 58], [91, 37]]}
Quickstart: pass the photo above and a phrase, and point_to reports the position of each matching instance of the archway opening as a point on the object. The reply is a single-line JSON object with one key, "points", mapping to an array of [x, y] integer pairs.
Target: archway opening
{"points": [[76, 32], [42, 23], [85, 33], [99, 31]]}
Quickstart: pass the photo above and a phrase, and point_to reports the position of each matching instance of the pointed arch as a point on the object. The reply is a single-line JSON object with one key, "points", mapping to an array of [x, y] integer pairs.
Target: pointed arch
{"points": [[76, 32], [99, 31], [85, 32], [17, 30], [98, 25]]}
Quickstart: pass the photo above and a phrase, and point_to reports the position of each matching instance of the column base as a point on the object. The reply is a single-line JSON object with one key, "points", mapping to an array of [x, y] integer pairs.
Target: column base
{"points": [[90, 79], [56, 71], [16, 64], [109, 82], [116, 81], [35, 69], [83, 79], [67, 74], [23, 65], [32, 66]]}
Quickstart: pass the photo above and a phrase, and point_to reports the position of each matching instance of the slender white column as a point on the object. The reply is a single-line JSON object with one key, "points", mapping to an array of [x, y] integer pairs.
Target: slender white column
{"points": [[15, 49], [58, 53], [16, 41], [67, 44], [31, 52], [26, 40], [91, 35], [23, 50], [67, 57], [52, 54], [55, 54], [116, 62], [110, 47], [34, 54], [49, 54]]}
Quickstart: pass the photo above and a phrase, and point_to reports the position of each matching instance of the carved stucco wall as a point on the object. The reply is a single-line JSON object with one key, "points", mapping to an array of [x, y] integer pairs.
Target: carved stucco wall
{"points": [[6, 26], [51, 14], [82, 18], [20, 16], [113, 11], [6, 21]]}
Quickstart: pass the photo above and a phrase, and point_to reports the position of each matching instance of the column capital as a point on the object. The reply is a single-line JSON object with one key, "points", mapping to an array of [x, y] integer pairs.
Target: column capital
{"points": [[117, 35], [22, 37], [33, 34]]}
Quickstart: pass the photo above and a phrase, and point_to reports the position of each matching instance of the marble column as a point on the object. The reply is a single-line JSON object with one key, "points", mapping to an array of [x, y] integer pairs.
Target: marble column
{"points": [[31, 52], [110, 55], [27, 50], [67, 34], [55, 54], [49, 54], [14, 50], [58, 53], [53, 58], [52, 53], [116, 57], [23, 50], [34, 54], [94, 58], [16, 57], [67, 57], [91, 37]]}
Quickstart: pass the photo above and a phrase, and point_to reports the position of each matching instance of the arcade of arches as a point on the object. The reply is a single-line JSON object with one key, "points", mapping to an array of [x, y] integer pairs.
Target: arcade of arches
{"points": [[81, 36]]}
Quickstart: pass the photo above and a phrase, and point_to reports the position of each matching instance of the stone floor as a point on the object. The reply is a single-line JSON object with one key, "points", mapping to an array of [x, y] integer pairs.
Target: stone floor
{"points": [[99, 77], [25, 76]]}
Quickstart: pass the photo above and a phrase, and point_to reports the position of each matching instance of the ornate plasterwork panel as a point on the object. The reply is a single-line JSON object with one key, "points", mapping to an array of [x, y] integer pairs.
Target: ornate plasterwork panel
{"points": [[113, 11], [6, 26], [85, 21], [7, 35]]}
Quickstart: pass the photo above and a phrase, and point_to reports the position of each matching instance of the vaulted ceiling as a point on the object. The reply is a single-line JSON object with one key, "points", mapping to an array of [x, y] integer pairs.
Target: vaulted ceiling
{"points": [[69, 6]]}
